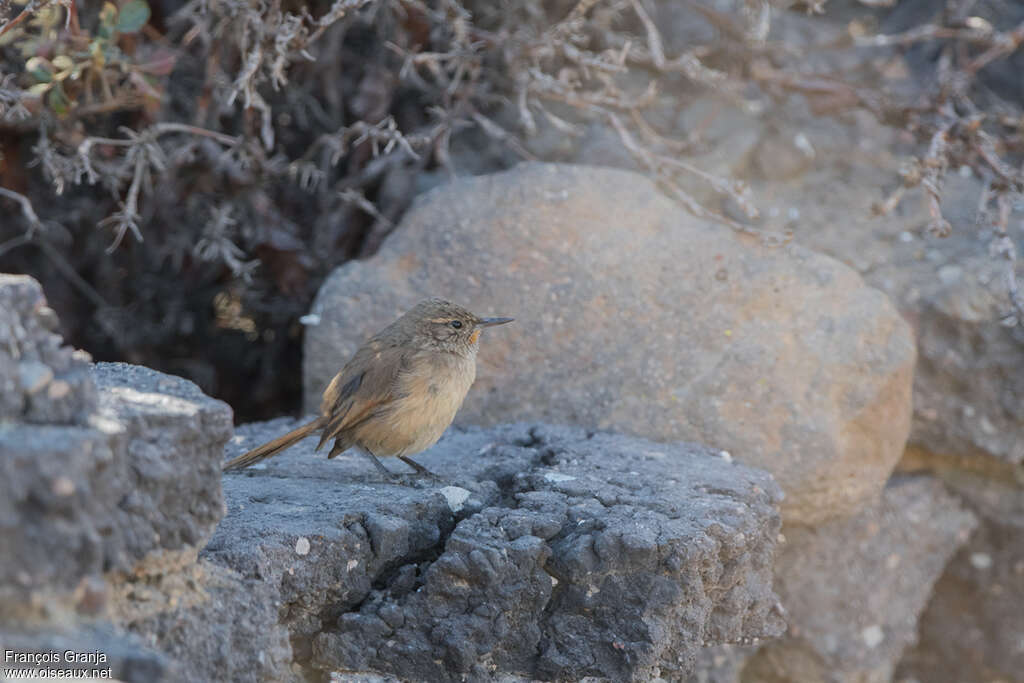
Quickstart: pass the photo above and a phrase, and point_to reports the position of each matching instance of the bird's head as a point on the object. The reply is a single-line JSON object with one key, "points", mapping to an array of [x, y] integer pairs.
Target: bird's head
{"points": [[442, 325]]}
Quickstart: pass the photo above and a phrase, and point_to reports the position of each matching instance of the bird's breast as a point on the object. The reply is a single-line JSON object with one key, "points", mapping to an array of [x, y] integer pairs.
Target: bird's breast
{"points": [[429, 394]]}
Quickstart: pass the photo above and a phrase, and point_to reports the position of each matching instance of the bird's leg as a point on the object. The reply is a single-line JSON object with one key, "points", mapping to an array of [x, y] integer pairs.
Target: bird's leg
{"points": [[420, 469], [379, 465]]}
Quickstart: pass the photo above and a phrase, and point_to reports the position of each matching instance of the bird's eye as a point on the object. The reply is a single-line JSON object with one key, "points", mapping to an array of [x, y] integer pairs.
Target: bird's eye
{"points": [[457, 324]]}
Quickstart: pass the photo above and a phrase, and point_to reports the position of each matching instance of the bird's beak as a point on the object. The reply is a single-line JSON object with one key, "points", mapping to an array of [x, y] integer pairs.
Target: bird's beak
{"points": [[491, 322]]}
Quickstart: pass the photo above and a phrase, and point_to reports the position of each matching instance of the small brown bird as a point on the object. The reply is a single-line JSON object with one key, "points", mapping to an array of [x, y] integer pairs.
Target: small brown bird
{"points": [[399, 392]]}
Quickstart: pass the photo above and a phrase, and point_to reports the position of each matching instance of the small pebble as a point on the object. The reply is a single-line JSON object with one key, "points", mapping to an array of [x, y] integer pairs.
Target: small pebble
{"points": [[981, 561], [63, 487], [873, 635], [455, 496], [58, 389]]}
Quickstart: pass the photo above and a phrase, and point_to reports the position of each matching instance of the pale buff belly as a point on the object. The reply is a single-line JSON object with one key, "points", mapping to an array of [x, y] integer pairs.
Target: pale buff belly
{"points": [[428, 404]]}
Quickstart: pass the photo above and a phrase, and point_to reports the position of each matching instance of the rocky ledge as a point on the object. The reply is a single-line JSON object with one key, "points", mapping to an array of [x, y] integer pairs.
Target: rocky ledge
{"points": [[541, 551]]}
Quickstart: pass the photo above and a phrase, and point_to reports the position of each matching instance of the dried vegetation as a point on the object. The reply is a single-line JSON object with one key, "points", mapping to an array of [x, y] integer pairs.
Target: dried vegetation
{"points": [[182, 175]]}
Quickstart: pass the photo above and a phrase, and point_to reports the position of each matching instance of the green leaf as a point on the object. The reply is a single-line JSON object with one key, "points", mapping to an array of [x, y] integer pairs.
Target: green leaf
{"points": [[58, 101], [133, 16], [41, 76], [39, 68]]}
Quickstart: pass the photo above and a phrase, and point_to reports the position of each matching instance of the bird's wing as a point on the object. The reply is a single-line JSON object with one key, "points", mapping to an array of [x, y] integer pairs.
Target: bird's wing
{"points": [[366, 383]]}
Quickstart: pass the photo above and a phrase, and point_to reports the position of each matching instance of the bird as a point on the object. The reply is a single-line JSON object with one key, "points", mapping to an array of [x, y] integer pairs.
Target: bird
{"points": [[399, 392]]}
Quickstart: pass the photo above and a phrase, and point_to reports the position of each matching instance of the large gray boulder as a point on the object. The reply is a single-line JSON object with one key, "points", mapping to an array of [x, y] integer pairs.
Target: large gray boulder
{"points": [[545, 552], [633, 315]]}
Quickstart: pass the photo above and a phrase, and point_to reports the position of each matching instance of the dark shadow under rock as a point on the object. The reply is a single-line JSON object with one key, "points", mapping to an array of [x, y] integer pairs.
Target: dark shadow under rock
{"points": [[545, 552]]}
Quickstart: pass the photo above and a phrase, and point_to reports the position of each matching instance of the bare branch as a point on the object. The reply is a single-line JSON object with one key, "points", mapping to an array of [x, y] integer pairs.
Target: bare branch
{"points": [[34, 224]]}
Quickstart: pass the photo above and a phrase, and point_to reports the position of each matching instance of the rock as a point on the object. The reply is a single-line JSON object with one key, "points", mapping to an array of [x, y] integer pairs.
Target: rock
{"points": [[968, 427], [34, 376], [572, 555], [59, 516], [211, 624], [354, 531], [853, 588], [102, 513], [141, 477], [176, 437], [781, 356], [968, 390], [973, 626], [782, 156], [196, 622], [721, 664], [33, 358], [967, 424], [100, 526], [726, 137]]}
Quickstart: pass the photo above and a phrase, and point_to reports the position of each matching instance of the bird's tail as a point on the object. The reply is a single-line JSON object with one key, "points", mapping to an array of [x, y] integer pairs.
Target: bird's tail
{"points": [[272, 448]]}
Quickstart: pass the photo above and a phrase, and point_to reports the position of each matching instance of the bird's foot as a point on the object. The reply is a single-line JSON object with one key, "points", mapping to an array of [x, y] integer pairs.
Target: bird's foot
{"points": [[420, 469], [403, 477]]}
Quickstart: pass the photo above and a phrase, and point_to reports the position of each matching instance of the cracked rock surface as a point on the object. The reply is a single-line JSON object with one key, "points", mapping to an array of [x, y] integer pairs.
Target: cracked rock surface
{"points": [[542, 552]]}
